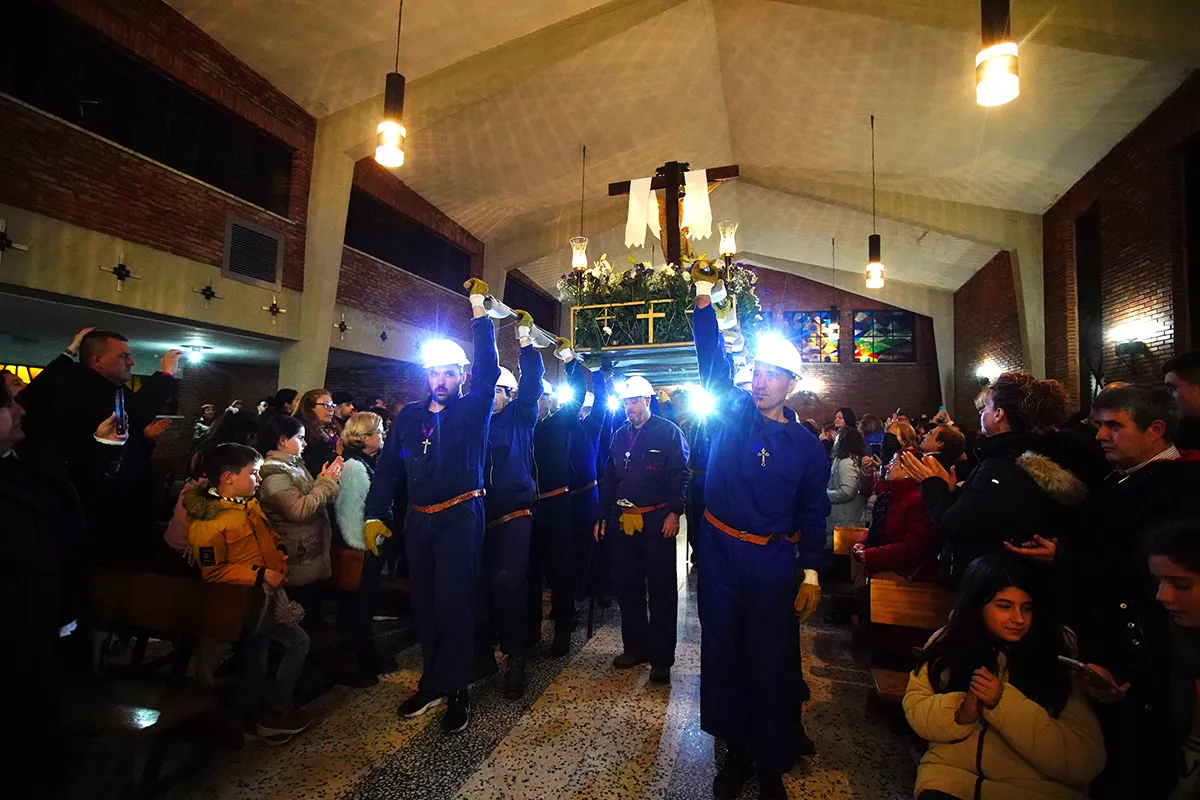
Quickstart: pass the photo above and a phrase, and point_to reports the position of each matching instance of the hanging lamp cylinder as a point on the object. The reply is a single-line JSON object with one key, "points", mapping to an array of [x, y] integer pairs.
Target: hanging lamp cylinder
{"points": [[997, 80], [578, 252], [391, 134], [874, 262]]}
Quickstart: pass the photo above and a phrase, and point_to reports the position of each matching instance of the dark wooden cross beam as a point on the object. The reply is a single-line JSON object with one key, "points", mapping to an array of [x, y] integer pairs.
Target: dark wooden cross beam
{"points": [[670, 177]]}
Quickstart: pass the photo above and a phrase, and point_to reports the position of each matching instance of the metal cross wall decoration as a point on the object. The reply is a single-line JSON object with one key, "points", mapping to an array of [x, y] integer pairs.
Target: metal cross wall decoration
{"points": [[383, 338], [208, 293], [121, 272], [274, 309], [7, 243], [342, 327]]}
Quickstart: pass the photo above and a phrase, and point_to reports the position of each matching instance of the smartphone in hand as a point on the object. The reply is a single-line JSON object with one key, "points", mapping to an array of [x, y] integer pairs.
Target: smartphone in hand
{"points": [[1088, 675], [122, 419]]}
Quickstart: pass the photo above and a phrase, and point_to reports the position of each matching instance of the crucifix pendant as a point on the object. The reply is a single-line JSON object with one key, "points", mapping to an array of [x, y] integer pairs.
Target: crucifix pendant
{"points": [[425, 448], [763, 455], [626, 460]]}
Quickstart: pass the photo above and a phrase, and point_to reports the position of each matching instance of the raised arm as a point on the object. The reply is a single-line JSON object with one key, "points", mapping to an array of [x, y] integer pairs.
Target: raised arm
{"points": [[529, 385], [485, 364]]}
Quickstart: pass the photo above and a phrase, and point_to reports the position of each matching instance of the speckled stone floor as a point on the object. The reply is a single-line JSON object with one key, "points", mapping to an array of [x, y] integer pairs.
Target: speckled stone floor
{"points": [[583, 731]]}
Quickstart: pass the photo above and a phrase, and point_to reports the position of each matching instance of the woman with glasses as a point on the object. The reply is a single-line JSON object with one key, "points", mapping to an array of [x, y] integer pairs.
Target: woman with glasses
{"points": [[320, 432]]}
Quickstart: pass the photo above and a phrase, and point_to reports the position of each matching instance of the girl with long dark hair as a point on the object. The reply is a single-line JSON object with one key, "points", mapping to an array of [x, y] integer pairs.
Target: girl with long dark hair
{"points": [[1003, 716]]}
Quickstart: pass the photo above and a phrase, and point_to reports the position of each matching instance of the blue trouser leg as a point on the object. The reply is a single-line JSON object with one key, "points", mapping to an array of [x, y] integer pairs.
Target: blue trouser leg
{"points": [[504, 595], [750, 648], [261, 690], [645, 565], [444, 561], [552, 545], [583, 519]]}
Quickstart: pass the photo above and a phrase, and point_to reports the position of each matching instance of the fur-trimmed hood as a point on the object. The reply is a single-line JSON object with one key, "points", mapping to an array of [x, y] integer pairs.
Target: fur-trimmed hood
{"points": [[200, 504], [1060, 483]]}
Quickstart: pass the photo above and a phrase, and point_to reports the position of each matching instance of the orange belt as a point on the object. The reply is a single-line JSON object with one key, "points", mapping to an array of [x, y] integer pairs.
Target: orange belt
{"points": [[453, 501], [641, 509], [553, 493], [582, 489], [744, 536], [496, 523]]}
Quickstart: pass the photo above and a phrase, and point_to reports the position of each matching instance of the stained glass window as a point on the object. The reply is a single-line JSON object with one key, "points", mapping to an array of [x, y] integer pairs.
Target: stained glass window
{"points": [[884, 337], [21, 371], [815, 334]]}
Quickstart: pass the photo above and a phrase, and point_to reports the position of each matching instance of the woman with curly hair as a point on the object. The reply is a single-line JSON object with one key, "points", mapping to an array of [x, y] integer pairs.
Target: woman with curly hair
{"points": [[1027, 481]]}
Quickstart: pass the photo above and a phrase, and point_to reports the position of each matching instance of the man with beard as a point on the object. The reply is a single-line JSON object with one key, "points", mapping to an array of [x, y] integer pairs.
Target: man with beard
{"points": [[642, 498], [433, 463]]}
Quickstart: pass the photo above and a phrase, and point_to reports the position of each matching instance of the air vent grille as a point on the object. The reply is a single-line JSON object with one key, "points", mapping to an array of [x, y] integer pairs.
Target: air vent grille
{"points": [[253, 254]]}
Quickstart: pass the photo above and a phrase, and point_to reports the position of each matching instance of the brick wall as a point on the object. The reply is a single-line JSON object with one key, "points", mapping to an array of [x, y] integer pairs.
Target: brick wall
{"points": [[394, 381], [986, 326], [55, 169], [1138, 186], [867, 388], [372, 285], [383, 185], [216, 382]]}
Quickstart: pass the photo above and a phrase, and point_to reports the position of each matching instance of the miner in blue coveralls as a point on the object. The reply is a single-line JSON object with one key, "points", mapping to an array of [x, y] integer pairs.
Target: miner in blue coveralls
{"points": [[434, 459], [553, 553], [765, 507], [511, 493], [584, 493], [641, 499]]}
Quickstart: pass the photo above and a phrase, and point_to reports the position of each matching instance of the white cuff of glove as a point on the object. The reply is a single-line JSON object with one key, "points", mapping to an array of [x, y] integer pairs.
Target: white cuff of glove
{"points": [[568, 355], [703, 288], [810, 577], [522, 332], [476, 300]]}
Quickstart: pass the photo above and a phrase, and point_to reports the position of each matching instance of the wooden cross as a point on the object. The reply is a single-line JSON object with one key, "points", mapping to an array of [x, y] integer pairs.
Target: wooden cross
{"points": [[650, 316], [670, 177], [763, 455]]}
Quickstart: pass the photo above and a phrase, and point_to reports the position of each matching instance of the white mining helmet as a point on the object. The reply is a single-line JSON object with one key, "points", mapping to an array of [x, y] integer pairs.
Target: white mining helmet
{"points": [[637, 386], [773, 349], [442, 352], [548, 389], [507, 379]]}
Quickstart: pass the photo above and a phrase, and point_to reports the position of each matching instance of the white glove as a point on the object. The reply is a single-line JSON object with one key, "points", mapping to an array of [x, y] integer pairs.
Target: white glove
{"points": [[522, 333], [476, 300], [703, 288], [810, 577], [718, 292]]}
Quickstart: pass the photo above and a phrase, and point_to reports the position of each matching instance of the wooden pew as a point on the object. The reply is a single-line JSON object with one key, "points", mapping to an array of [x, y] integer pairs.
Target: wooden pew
{"points": [[919, 607], [134, 705], [844, 539]]}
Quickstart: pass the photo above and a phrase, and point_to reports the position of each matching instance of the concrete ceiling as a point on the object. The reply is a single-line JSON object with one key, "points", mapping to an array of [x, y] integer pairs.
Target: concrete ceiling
{"points": [[784, 88], [36, 329]]}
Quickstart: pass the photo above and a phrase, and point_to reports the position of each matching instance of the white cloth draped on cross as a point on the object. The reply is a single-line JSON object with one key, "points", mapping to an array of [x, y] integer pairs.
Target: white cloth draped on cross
{"points": [[643, 209]]}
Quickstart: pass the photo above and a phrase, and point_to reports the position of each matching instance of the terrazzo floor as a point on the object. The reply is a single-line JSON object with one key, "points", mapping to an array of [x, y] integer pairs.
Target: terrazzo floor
{"points": [[583, 731]]}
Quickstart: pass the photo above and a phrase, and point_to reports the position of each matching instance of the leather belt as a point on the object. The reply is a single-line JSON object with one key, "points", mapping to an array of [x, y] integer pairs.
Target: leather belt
{"points": [[745, 536], [582, 489], [553, 493], [496, 523], [453, 501], [640, 509], [697, 472]]}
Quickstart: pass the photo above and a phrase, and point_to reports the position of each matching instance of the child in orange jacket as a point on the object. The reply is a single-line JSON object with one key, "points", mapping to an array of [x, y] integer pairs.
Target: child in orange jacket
{"points": [[232, 542]]}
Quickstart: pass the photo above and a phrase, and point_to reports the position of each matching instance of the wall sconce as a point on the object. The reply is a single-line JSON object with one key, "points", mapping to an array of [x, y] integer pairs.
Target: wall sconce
{"points": [[988, 371], [1131, 336]]}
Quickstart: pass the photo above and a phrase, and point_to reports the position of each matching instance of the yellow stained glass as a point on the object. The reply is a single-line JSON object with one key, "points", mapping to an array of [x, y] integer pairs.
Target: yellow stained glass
{"points": [[22, 371]]}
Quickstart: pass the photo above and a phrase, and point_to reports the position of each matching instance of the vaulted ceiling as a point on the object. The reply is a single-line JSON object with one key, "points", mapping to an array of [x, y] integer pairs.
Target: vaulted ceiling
{"points": [[505, 93]]}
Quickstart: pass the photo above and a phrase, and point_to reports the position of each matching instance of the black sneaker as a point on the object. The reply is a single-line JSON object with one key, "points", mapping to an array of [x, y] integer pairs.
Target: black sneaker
{"points": [[514, 678], [770, 787], [482, 665], [629, 661], [733, 774], [458, 713], [419, 703], [660, 674], [562, 643]]}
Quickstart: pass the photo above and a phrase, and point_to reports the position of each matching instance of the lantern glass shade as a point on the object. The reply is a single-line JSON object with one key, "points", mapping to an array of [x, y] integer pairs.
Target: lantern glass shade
{"points": [[996, 79], [728, 229], [874, 262], [579, 252]]}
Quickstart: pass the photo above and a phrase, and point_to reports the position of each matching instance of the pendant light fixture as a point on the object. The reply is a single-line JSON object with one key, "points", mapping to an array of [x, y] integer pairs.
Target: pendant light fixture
{"points": [[579, 243], [996, 78], [391, 133], [874, 262]]}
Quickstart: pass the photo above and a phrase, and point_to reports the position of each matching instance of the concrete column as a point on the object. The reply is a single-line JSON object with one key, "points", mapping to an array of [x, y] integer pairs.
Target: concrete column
{"points": [[303, 363], [1028, 275]]}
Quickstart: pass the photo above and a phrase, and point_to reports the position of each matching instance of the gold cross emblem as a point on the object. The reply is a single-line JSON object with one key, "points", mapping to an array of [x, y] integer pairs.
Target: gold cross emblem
{"points": [[763, 455], [650, 316], [426, 444]]}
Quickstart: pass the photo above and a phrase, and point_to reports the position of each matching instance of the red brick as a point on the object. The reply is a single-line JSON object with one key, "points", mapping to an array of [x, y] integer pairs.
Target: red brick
{"points": [[986, 326]]}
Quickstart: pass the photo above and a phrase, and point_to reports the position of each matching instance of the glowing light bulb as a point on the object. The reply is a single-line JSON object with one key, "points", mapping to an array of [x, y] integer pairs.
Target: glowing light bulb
{"points": [[389, 144], [996, 78]]}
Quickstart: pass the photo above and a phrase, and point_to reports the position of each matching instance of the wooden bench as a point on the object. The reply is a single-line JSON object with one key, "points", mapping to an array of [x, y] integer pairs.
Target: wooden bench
{"points": [[132, 704], [896, 600], [844, 539], [890, 684]]}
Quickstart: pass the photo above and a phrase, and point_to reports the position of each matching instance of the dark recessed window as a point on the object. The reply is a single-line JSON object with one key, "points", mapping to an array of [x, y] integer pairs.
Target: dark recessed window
{"points": [[518, 294], [58, 64], [379, 230]]}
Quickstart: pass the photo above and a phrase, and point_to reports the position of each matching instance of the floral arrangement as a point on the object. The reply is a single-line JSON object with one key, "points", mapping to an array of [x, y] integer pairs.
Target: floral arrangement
{"points": [[640, 283]]}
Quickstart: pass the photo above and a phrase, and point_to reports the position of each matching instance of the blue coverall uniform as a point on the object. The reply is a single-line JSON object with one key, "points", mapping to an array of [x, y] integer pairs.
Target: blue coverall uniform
{"points": [[697, 439], [552, 554], [584, 491], [647, 468], [436, 457], [768, 479], [510, 488]]}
